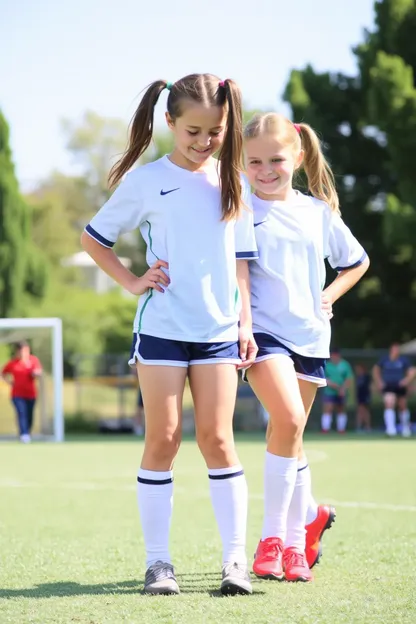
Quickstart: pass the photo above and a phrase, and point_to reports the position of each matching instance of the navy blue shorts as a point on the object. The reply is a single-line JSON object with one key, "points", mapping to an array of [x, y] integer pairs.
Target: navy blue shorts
{"points": [[309, 368], [336, 399], [399, 391], [363, 398], [164, 352]]}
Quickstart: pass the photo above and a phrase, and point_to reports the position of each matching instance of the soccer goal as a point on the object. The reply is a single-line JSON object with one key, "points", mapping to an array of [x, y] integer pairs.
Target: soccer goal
{"points": [[44, 336]]}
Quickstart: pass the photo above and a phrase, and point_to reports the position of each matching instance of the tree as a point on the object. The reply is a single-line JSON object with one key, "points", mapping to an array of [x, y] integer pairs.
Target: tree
{"points": [[368, 124], [23, 270], [95, 144], [60, 210]]}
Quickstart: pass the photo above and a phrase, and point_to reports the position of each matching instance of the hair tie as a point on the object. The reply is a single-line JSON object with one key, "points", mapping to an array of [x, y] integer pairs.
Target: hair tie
{"points": [[169, 85], [221, 83], [297, 128]]}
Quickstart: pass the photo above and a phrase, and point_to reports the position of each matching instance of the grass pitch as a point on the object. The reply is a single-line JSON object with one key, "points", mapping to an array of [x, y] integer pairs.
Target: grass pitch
{"points": [[71, 549]]}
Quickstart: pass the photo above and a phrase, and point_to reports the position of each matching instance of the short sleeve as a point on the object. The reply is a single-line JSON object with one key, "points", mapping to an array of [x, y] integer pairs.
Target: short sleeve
{"points": [[36, 363], [245, 240], [121, 213], [348, 370], [7, 368], [406, 363], [343, 251]]}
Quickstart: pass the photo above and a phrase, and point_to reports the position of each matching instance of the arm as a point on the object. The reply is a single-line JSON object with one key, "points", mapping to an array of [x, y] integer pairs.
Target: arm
{"points": [[348, 381], [37, 368], [410, 375], [345, 280], [6, 374], [107, 260], [347, 384], [377, 376], [248, 347], [332, 384], [122, 213], [6, 377]]}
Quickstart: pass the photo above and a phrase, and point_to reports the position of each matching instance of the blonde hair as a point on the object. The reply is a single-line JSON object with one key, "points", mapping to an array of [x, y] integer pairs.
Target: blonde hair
{"points": [[321, 181]]}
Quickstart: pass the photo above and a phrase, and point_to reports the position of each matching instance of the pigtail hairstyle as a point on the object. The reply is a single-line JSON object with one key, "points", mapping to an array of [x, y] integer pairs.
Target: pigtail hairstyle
{"points": [[321, 181], [231, 153], [141, 132], [204, 89]]}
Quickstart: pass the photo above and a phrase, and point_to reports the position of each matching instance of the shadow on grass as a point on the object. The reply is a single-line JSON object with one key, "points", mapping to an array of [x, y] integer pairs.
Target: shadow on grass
{"points": [[207, 583]]}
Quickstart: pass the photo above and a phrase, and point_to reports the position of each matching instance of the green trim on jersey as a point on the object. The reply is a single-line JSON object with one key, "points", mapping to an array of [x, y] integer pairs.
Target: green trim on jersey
{"points": [[236, 297], [151, 240], [149, 296]]}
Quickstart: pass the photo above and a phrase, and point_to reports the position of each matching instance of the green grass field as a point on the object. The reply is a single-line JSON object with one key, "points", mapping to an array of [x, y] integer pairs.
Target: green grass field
{"points": [[71, 549]]}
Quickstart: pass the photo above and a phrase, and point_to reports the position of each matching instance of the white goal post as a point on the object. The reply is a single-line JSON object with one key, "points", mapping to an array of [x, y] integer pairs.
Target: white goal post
{"points": [[55, 325]]}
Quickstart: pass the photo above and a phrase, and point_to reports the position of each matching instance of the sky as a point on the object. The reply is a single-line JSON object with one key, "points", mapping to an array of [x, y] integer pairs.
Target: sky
{"points": [[60, 58]]}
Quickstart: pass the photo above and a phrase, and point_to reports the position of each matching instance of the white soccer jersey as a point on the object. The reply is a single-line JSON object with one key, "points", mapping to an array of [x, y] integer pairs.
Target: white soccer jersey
{"points": [[179, 216], [293, 240]]}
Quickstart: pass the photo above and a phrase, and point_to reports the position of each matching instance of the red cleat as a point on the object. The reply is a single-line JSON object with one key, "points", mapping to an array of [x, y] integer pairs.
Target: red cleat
{"points": [[295, 565], [314, 532], [268, 560]]}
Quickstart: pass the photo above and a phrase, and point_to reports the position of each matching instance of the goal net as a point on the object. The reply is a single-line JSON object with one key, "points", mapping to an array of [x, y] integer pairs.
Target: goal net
{"points": [[44, 336]]}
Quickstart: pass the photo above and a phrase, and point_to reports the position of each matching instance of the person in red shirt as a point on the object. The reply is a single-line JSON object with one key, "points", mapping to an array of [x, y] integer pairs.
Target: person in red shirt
{"points": [[20, 373]]}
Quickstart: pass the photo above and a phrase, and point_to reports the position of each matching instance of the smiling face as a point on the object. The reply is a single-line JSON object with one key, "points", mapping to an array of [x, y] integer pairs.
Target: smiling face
{"points": [[199, 133], [270, 166]]}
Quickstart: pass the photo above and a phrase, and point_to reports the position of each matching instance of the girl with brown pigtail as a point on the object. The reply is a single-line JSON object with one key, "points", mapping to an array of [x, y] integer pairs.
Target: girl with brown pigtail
{"points": [[291, 310], [193, 317]]}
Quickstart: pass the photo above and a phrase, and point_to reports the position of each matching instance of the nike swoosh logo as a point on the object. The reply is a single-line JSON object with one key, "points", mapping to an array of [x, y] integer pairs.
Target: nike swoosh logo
{"points": [[259, 223], [171, 191]]}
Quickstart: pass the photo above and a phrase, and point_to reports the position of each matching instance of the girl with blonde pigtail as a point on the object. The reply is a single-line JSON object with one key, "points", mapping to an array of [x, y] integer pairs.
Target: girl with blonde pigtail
{"points": [[291, 311]]}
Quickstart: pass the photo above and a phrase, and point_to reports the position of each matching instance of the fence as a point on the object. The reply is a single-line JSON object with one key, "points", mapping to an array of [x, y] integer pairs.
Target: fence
{"points": [[105, 388]]}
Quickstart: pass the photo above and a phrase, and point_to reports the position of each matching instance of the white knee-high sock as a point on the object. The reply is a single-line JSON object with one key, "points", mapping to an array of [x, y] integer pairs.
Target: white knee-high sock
{"points": [[342, 420], [404, 417], [296, 518], [229, 498], [390, 421], [326, 422], [312, 511], [155, 500], [279, 483]]}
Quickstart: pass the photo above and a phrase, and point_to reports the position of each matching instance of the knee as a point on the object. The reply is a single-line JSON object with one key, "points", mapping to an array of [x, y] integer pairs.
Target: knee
{"points": [[216, 447], [389, 402], [291, 426], [163, 448]]}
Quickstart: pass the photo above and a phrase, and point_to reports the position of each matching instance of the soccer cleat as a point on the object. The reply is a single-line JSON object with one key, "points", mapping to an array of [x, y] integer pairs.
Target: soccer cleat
{"points": [[314, 532], [268, 562], [235, 579], [160, 579], [296, 566]]}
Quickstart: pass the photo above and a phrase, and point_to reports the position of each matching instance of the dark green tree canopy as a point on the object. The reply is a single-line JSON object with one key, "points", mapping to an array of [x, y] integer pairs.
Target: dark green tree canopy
{"points": [[368, 125]]}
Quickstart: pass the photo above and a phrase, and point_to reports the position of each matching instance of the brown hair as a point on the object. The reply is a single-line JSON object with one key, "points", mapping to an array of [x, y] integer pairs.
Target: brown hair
{"points": [[205, 89], [321, 182]]}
